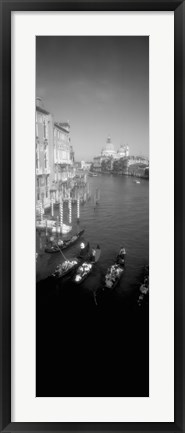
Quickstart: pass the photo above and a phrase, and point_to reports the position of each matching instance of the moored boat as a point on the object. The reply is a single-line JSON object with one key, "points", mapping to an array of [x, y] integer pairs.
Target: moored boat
{"points": [[114, 272], [86, 267], [65, 268], [82, 272], [92, 174], [62, 245], [113, 276], [144, 287], [121, 257]]}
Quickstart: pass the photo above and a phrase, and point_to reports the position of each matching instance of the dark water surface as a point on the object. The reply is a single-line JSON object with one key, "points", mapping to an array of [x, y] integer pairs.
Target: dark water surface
{"points": [[84, 349]]}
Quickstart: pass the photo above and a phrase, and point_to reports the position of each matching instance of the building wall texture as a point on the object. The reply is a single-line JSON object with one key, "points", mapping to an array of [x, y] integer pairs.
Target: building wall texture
{"points": [[43, 145], [54, 156]]}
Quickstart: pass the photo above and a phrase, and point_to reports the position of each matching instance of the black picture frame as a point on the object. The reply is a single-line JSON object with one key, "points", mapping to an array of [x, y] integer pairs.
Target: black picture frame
{"points": [[6, 7]]}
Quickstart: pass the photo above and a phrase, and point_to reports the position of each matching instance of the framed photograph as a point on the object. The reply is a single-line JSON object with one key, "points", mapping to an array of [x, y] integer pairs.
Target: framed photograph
{"points": [[92, 216]]}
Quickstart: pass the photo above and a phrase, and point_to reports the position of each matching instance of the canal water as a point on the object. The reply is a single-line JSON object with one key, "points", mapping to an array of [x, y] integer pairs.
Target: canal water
{"points": [[120, 219], [97, 346]]}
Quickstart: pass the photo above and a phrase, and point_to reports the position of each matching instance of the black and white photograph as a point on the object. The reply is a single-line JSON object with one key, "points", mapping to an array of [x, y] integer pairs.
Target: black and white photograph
{"points": [[92, 216]]}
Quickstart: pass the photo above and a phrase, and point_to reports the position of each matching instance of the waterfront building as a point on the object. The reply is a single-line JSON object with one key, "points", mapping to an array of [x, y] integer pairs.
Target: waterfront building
{"points": [[54, 157], [63, 159], [44, 139], [97, 161], [85, 165]]}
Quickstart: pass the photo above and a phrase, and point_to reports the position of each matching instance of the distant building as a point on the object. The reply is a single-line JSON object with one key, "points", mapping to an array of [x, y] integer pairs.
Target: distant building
{"points": [[85, 165], [123, 152], [44, 142], [108, 150], [97, 161], [108, 155]]}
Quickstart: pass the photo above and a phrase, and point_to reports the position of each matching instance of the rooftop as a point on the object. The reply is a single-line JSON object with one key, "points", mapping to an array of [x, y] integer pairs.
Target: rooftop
{"points": [[62, 126]]}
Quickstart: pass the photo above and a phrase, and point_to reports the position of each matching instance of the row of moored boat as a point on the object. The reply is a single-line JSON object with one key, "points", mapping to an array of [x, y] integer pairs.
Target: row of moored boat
{"points": [[80, 267]]}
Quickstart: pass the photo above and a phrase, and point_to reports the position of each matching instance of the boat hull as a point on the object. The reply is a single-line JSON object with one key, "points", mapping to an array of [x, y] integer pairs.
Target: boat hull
{"points": [[83, 278], [115, 283], [118, 267], [69, 271], [58, 248], [97, 256]]}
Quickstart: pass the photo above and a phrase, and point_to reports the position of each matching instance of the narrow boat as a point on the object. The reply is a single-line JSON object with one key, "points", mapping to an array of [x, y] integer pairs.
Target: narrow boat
{"points": [[144, 287], [113, 276], [120, 260], [114, 272], [82, 272], [66, 268], [92, 174], [87, 266], [62, 245]]}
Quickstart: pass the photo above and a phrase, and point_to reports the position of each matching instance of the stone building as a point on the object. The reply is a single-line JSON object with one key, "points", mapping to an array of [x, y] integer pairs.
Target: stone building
{"points": [[54, 156], [63, 159], [123, 152], [44, 137]]}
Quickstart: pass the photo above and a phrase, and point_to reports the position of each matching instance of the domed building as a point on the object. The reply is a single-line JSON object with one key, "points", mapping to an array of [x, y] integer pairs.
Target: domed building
{"points": [[108, 150], [123, 151]]}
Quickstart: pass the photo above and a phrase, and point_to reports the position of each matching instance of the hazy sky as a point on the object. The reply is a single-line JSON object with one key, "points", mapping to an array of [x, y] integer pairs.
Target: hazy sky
{"points": [[100, 85]]}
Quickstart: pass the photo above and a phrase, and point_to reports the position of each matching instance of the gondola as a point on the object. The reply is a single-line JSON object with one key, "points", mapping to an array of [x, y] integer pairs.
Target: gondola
{"points": [[115, 272], [87, 266], [113, 276], [62, 245], [144, 287], [65, 268], [120, 259]]}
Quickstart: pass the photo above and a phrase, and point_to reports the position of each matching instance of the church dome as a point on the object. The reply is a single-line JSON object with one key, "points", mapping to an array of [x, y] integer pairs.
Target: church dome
{"points": [[108, 150], [109, 145]]}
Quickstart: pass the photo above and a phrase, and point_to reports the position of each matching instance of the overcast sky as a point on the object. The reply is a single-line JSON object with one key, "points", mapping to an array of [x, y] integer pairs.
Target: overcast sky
{"points": [[100, 85]]}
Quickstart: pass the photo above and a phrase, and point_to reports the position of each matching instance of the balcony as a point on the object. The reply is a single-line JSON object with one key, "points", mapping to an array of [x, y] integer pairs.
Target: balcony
{"points": [[62, 161], [41, 171], [38, 171]]}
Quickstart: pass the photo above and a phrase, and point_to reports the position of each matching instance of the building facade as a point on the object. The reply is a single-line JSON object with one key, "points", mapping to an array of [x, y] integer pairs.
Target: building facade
{"points": [[123, 152], [43, 146], [85, 165], [63, 160], [54, 157], [97, 161]]}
